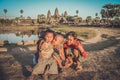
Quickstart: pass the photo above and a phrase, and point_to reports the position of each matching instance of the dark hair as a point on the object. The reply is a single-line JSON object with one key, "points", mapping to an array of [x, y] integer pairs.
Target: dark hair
{"points": [[58, 33], [49, 31], [44, 32], [41, 34], [71, 33]]}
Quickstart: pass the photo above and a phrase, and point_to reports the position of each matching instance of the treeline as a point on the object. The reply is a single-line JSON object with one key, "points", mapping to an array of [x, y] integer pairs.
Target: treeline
{"points": [[6, 22], [110, 17], [111, 13]]}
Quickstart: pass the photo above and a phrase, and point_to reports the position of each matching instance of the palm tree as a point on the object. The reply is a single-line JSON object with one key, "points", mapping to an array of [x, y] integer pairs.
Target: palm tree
{"points": [[96, 14], [21, 12], [5, 11], [77, 12]]}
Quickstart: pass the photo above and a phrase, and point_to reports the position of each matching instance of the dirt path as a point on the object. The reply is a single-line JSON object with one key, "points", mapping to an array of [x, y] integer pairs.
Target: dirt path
{"points": [[95, 39]]}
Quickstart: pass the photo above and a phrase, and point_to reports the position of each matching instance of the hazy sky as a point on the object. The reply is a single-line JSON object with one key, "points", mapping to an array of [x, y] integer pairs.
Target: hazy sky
{"points": [[34, 7]]}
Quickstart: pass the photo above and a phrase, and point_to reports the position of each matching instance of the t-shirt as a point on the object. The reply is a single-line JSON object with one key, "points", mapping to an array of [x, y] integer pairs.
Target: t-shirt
{"points": [[75, 45]]}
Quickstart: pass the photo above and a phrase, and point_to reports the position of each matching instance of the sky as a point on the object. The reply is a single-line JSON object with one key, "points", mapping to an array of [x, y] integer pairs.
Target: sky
{"points": [[34, 7]]}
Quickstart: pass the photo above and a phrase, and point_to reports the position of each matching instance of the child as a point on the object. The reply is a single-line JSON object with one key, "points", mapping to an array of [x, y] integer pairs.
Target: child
{"points": [[46, 63], [59, 50], [76, 48]]}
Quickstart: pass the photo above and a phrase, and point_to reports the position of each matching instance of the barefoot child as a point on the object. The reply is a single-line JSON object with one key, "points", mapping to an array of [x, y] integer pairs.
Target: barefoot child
{"points": [[58, 50], [46, 63], [76, 48]]}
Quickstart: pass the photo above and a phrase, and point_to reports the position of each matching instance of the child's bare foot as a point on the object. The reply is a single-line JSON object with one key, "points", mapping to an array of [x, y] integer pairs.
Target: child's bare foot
{"points": [[31, 78], [79, 68], [67, 65]]}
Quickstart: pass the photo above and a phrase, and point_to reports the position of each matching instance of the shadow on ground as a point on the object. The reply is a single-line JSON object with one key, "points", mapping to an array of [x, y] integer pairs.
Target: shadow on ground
{"points": [[111, 41]]}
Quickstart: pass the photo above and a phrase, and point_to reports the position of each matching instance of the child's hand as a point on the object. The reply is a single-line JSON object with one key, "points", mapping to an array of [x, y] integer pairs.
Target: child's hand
{"points": [[42, 55], [84, 54]]}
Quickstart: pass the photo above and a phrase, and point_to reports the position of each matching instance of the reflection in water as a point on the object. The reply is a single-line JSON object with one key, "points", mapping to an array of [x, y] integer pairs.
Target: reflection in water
{"points": [[18, 36]]}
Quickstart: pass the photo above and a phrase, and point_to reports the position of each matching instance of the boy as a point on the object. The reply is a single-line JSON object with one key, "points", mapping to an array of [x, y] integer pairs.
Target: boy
{"points": [[58, 55]]}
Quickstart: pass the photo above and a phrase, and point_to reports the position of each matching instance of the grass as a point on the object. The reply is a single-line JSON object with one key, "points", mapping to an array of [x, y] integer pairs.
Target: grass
{"points": [[82, 32], [16, 28]]}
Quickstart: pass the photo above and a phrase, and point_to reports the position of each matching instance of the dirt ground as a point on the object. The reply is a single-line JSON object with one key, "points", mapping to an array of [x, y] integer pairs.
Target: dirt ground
{"points": [[102, 63]]}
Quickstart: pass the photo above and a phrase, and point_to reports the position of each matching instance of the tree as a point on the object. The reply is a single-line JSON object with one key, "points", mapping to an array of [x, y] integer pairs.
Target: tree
{"points": [[96, 14], [28, 17], [70, 18], [77, 12], [41, 18], [88, 20], [80, 19], [106, 12], [117, 10], [103, 13], [116, 22], [108, 6], [109, 12], [16, 20], [77, 19], [97, 19], [21, 12], [5, 11]]}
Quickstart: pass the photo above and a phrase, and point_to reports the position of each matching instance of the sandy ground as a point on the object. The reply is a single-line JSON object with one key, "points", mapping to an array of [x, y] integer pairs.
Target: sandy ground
{"points": [[102, 63]]}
